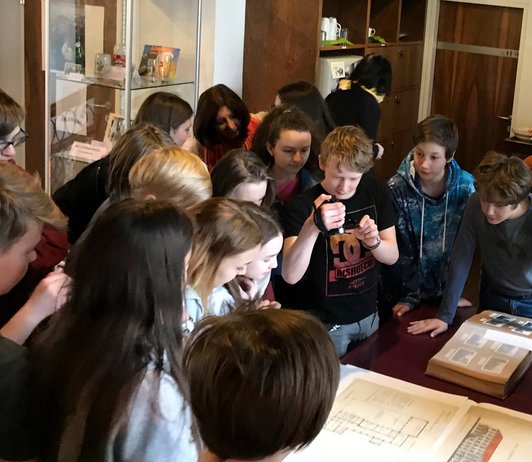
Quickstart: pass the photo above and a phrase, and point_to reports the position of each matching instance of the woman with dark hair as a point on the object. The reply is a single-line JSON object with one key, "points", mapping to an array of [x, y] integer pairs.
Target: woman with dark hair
{"points": [[369, 82], [222, 123], [110, 360], [242, 175], [307, 97], [169, 113], [284, 142]]}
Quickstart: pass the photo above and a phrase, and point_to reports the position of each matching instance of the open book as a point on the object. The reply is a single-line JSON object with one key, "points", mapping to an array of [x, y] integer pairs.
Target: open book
{"points": [[380, 418], [471, 359]]}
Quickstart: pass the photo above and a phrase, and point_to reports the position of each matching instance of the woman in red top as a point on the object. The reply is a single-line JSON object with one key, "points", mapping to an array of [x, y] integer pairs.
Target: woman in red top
{"points": [[222, 123]]}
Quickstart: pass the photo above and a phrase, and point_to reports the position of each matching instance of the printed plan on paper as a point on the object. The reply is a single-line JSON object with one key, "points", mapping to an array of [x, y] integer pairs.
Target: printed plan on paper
{"points": [[490, 433], [385, 419]]}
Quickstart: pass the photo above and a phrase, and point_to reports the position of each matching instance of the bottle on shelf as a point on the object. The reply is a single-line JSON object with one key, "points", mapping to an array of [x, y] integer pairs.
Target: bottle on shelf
{"points": [[119, 55], [79, 51]]}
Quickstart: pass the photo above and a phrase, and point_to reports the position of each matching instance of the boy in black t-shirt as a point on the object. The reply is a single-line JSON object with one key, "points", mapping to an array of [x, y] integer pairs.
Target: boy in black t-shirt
{"points": [[331, 249]]}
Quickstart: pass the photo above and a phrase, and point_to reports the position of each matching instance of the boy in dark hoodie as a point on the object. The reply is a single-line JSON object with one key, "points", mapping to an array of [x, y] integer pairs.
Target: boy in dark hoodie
{"points": [[430, 192]]}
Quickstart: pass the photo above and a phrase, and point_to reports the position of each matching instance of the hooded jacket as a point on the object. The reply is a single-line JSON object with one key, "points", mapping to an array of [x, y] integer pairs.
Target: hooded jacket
{"points": [[426, 229]]}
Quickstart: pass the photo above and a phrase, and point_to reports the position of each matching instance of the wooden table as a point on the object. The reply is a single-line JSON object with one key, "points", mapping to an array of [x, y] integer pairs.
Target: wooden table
{"points": [[394, 352]]}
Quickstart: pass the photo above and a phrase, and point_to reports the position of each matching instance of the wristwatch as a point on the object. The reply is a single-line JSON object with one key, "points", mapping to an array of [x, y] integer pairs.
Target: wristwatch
{"points": [[374, 246]]}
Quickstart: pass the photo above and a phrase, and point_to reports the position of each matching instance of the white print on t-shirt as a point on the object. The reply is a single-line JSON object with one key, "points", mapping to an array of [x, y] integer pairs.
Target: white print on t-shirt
{"points": [[348, 263]]}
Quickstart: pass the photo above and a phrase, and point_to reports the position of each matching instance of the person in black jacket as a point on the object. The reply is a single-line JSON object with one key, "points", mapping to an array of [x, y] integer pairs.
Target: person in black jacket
{"points": [[82, 196], [370, 81]]}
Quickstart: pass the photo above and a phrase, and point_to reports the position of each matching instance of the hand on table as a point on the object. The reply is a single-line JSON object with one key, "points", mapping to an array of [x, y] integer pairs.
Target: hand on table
{"points": [[399, 309], [434, 326], [464, 303]]}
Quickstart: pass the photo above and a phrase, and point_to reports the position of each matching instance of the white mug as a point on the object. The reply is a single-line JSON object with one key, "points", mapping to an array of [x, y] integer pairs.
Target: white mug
{"points": [[334, 29], [371, 32], [325, 27]]}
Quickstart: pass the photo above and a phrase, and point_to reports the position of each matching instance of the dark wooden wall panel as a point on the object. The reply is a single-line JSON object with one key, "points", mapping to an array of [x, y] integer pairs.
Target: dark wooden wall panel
{"points": [[34, 87], [280, 32]]}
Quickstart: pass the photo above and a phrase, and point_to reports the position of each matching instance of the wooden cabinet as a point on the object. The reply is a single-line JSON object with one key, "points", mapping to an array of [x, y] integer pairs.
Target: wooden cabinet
{"points": [[282, 45], [400, 108]]}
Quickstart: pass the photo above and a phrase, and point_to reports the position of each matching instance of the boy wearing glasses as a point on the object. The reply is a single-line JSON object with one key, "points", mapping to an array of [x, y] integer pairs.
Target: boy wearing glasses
{"points": [[11, 133], [53, 245], [497, 219]]}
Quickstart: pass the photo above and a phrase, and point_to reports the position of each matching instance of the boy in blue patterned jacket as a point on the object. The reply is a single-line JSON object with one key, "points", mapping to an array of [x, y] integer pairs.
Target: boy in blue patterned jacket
{"points": [[430, 192]]}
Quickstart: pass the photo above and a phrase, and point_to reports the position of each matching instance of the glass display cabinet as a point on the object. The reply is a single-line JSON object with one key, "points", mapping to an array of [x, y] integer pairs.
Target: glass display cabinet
{"points": [[103, 58]]}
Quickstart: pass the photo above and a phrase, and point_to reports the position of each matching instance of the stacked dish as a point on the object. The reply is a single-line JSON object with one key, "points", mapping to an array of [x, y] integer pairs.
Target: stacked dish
{"points": [[524, 134]]}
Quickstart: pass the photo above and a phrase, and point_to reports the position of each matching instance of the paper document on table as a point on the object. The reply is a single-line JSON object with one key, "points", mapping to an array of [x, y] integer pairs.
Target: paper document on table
{"points": [[510, 339], [386, 419], [489, 433]]}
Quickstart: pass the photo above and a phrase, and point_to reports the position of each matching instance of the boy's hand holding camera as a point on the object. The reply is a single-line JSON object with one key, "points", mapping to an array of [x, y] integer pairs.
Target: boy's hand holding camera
{"points": [[329, 214]]}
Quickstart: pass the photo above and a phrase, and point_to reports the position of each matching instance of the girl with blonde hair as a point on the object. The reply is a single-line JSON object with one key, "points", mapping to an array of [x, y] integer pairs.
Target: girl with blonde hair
{"points": [[226, 240], [172, 174]]}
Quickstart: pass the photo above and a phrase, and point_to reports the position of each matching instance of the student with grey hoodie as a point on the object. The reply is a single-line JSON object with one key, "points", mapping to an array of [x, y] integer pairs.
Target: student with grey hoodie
{"points": [[430, 192]]}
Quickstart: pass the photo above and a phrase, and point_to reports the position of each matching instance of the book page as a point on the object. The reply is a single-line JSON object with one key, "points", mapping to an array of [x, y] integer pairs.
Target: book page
{"points": [[489, 433], [384, 418], [506, 328]]}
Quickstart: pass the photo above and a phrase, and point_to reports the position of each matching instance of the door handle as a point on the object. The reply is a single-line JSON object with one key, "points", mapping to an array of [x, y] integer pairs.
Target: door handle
{"points": [[508, 117]]}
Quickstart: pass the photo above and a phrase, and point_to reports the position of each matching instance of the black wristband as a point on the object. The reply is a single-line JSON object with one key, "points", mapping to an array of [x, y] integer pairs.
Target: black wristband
{"points": [[318, 221]]}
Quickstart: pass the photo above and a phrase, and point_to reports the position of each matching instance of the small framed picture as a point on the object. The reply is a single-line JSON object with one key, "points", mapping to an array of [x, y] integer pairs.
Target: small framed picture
{"points": [[116, 125], [337, 69]]}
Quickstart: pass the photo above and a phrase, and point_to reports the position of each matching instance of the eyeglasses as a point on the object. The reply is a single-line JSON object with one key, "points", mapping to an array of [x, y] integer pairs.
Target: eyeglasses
{"points": [[17, 140]]}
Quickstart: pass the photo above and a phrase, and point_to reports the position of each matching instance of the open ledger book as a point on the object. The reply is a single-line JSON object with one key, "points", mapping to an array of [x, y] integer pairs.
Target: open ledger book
{"points": [[485, 355], [379, 418]]}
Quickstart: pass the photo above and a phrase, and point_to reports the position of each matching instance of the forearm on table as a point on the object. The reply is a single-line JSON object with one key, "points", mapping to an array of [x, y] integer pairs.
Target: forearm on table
{"points": [[461, 260], [298, 250]]}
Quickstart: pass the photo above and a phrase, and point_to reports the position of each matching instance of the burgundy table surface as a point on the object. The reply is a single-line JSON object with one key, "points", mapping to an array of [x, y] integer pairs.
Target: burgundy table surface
{"points": [[394, 352]]}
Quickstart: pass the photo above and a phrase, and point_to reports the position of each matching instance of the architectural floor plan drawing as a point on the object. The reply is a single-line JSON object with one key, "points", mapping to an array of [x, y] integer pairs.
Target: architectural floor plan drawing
{"points": [[388, 417], [378, 418], [402, 431]]}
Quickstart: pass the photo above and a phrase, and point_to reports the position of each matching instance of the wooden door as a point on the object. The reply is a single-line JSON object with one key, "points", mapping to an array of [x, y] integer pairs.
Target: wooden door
{"points": [[474, 76]]}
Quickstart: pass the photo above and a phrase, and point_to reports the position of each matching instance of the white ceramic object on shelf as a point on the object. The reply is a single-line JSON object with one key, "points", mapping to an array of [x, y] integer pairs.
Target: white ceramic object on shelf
{"points": [[523, 133]]}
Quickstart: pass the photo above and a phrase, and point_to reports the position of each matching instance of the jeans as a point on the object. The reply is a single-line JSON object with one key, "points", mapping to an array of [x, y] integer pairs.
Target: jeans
{"points": [[342, 335], [491, 300]]}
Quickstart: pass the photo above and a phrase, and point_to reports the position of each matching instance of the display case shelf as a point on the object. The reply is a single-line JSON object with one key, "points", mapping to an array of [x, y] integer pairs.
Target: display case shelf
{"points": [[144, 84], [81, 106]]}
